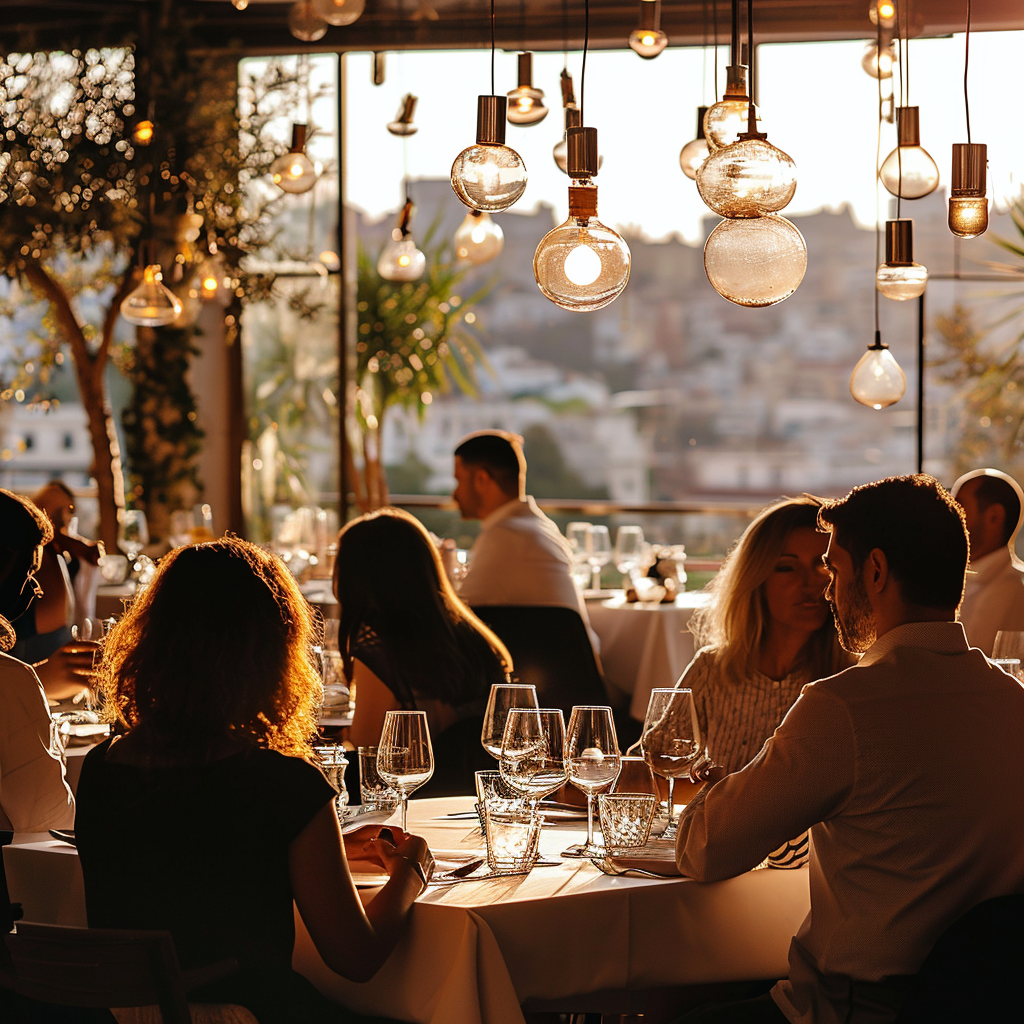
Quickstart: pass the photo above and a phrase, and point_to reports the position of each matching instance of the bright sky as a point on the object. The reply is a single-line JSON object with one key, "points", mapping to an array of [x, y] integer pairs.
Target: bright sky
{"points": [[817, 104]]}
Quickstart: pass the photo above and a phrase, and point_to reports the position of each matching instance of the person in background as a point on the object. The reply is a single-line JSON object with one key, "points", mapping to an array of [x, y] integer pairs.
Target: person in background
{"points": [[34, 795], [408, 642], [205, 815], [994, 594]]}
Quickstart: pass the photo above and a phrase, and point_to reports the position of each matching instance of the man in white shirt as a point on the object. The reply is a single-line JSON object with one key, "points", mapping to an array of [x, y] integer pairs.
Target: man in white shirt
{"points": [[872, 760], [994, 594]]}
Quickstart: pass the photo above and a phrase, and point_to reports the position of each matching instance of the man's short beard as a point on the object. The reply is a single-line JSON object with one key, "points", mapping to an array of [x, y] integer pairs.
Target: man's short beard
{"points": [[856, 628]]}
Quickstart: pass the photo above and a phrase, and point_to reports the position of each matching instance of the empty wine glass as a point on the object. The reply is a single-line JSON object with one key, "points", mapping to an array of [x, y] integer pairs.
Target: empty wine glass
{"points": [[629, 545], [532, 758], [503, 697], [672, 741], [1009, 644], [405, 760], [600, 553], [578, 536], [593, 759], [132, 532]]}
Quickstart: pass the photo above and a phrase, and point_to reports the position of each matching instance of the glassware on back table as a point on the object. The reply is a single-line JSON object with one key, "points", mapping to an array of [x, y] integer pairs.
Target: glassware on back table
{"points": [[1009, 644], [593, 758], [504, 697], [600, 553], [532, 758], [671, 741], [405, 759], [629, 547], [132, 532], [578, 536]]}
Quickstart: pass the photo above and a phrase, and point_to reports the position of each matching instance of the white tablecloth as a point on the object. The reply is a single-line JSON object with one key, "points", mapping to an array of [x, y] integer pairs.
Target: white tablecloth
{"points": [[643, 645], [476, 950]]}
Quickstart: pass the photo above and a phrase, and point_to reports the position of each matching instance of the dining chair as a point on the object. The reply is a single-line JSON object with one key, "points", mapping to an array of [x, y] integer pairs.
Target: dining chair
{"points": [[115, 969]]}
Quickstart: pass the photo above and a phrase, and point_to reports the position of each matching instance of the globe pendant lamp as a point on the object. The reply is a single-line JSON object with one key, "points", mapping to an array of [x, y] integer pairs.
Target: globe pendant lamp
{"points": [[339, 12], [879, 62], [899, 277], [747, 179], [573, 119], [909, 171], [478, 239], [525, 103], [882, 12], [294, 171], [152, 304], [401, 260], [968, 206], [877, 380], [304, 23], [582, 264], [694, 153], [755, 261], [647, 40], [725, 119], [402, 124], [489, 176]]}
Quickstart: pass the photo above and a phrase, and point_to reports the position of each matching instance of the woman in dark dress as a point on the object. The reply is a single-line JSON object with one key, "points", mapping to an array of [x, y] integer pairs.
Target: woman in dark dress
{"points": [[204, 816], [409, 643]]}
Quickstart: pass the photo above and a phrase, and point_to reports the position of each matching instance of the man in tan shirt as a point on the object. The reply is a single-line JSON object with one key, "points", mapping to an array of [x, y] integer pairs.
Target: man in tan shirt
{"points": [[869, 759]]}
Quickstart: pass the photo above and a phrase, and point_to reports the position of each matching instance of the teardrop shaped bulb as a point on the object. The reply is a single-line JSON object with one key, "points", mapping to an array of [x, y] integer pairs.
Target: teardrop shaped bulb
{"points": [[152, 304], [877, 380]]}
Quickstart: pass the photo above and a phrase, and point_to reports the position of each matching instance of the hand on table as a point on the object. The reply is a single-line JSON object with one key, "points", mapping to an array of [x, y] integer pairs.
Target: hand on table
{"points": [[68, 672], [408, 850]]}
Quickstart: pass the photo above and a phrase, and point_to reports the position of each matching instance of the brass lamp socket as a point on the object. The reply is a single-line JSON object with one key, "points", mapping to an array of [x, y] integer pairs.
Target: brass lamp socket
{"points": [[490, 120], [379, 66], [573, 118], [969, 169], [298, 139], [650, 16], [581, 152], [908, 127], [526, 70], [899, 242], [408, 108], [701, 111], [736, 81], [568, 94], [405, 217], [878, 343], [583, 201]]}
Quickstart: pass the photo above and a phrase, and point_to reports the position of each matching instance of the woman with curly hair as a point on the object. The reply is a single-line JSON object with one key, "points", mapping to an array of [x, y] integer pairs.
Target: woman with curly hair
{"points": [[205, 815]]}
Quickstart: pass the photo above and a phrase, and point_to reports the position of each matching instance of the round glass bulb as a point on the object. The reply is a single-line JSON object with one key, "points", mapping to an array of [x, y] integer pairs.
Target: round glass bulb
{"points": [[478, 239], [304, 23], [747, 179], [915, 167], [151, 304], [582, 264], [526, 105], [293, 172], [401, 260], [692, 155], [339, 12], [901, 281], [879, 63], [968, 215], [240, 5], [877, 380], [882, 12], [647, 42], [724, 121], [755, 261], [488, 178]]}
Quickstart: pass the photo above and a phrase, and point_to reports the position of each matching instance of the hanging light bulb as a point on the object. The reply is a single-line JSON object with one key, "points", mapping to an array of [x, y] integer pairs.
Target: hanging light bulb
{"points": [[747, 179], [582, 264], [968, 206], [142, 134], [694, 153], [878, 63], [151, 304], [402, 124], [400, 260], [526, 103], [899, 277], [478, 239], [489, 175], [339, 12], [725, 119], [647, 39], [909, 171], [877, 380], [240, 5], [755, 261], [304, 23], [561, 150], [294, 171], [211, 278], [882, 12]]}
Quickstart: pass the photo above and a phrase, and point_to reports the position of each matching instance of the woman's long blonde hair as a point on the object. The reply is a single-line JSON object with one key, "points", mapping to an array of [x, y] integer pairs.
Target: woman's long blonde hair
{"points": [[735, 622]]}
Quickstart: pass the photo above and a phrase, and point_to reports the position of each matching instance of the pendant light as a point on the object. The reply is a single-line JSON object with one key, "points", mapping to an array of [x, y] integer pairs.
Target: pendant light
{"points": [[882, 12], [728, 117], [747, 179], [899, 277], [151, 304], [239, 5], [339, 12], [877, 380], [968, 205], [478, 238], [294, 171], [526, 103], [304, 23], [878, 61], [755, 261], [909, 171], [647, 40], [400, 260], [573, 119], [695, 152], [402, 124], [582, 264]]}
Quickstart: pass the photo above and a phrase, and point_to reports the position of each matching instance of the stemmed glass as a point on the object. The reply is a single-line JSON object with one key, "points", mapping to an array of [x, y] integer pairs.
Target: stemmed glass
{"points": [[504, 697], [671, 741], [405, 760], [629, 544], [593, 758], [578, 536], [600, 553], [532, 758], [132, 532]]}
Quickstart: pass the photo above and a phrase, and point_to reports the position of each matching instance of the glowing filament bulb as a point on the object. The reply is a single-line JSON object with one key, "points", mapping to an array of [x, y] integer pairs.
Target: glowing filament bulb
{"points": [[877, 380], [582, 264]]}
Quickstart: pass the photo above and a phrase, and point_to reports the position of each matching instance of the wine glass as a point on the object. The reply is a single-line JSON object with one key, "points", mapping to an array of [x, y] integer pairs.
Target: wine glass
{"points": [[672, 741], [578, 536], [600, 553], [629, 544], [593, 759], [405, 760], [1009, 644], [132, 532], [532, 757], [503, 697]]}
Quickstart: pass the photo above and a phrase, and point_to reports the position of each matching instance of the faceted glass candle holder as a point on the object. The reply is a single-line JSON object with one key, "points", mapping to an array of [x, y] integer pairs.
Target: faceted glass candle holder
{"points": [[626, 819]]}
